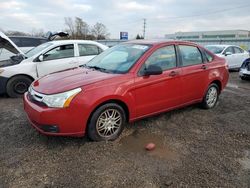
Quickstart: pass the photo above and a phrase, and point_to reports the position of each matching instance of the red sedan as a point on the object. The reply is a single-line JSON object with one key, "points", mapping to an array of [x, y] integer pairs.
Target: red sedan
{"points": [[125, 83]]}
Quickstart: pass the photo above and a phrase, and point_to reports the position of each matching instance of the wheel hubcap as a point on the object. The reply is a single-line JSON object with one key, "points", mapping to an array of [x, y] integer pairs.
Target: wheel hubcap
{"points": [[20, 87], [211, 97], [109, 122]]}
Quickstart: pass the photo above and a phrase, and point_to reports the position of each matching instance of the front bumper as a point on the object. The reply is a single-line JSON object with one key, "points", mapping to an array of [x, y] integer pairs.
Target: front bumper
{"points": [[3, 82], [55, 121]]}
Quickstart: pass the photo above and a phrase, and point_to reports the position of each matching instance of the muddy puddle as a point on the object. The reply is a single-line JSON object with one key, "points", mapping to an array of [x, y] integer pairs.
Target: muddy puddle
{"points": [[137, 141]]}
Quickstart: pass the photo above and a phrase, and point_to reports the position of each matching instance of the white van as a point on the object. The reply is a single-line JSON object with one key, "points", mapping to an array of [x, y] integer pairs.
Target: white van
{"points": [[17, 73]]}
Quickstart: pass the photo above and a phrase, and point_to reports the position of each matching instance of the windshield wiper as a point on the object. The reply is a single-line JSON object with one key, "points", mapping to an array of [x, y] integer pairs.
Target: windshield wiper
{"points": [[98, 68]]}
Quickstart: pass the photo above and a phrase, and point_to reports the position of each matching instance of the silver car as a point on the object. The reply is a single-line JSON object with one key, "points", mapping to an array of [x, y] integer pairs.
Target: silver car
{"points": [[245, 70]]}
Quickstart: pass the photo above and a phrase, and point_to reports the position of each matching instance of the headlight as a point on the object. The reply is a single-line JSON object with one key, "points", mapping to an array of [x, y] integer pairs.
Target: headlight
{"points": [[60, 100], [1, 70]]}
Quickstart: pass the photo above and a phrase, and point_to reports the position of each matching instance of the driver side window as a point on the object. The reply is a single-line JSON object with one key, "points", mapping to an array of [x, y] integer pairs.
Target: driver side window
{"points": [[164, 57], [64, 51]]}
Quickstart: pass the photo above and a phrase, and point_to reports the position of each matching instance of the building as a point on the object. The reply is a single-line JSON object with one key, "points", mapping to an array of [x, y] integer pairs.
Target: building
{"points": [[234, 37]]}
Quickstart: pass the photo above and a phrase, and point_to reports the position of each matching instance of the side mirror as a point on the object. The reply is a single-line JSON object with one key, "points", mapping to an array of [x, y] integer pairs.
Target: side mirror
{"points": [[228, 53], [152, 70], [40, 58]]}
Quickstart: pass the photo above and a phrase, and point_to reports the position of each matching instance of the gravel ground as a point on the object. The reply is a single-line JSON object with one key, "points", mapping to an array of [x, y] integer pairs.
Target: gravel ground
{"points": [[194, 148]]}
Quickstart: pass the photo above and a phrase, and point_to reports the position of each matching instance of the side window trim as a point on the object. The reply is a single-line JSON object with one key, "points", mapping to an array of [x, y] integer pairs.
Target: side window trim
{"points": [[180, 58]]}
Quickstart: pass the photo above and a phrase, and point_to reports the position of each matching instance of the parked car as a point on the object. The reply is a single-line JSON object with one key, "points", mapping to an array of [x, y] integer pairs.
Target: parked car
{"points": [[17, 73], [26, 43], [234, 55], [245, 70], [125, 83]]}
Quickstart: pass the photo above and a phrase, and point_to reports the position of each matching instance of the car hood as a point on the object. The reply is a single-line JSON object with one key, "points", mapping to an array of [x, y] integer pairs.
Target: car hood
{"points": [[6, 43], [67, 80]]}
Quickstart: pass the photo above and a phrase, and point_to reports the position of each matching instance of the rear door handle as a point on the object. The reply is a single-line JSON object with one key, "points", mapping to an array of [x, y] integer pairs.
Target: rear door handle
{"points": [[173, 73], [204, 67]]}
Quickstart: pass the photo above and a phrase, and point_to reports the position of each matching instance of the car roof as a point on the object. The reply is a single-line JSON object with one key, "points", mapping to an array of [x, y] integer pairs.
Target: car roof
{"points": [[158, 42], [72, 41], [221, 45]]}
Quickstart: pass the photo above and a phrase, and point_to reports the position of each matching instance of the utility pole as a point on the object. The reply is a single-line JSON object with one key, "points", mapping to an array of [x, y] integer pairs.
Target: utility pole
{"points": [[144, 27]]}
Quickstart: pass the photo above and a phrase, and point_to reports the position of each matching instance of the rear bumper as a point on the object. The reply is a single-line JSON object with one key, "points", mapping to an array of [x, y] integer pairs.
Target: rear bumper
{"points": [[54, 121], [3, 82]]}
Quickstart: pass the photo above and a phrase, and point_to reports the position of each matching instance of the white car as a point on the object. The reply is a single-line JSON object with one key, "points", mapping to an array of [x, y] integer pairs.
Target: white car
{"points": [[245, 70], [17, 73], [234, 55]]}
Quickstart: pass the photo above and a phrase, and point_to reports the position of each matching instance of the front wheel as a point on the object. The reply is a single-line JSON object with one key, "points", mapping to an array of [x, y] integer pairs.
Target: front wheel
{"points": [[211, 97], [107, 122], [17, 86]]}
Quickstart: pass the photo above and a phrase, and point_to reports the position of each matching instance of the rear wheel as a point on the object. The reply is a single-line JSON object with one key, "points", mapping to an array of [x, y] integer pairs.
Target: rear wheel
{"points": [[107, 122], [17, 86], [243, 78], [211, 97]]}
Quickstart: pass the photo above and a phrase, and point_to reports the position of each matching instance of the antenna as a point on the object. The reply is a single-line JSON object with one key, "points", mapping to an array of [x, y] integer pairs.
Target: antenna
{"points": [[144, 27]]}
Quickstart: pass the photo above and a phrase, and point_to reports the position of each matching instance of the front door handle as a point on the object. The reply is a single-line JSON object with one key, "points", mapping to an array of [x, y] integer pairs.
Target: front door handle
{"points": [[173, 73], [204, 67]]}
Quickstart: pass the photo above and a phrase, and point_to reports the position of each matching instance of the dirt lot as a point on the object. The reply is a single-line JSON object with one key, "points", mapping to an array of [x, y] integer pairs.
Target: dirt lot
{"points": [[194, 148]]}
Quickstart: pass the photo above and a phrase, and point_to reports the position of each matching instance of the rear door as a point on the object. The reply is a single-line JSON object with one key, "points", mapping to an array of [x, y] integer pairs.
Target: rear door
{"points": [[87, 52], [56, 59], [157, 93], [194, 73], [240, 56]]}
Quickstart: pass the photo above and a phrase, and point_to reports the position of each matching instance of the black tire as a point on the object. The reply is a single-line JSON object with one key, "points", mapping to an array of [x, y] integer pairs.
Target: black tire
{"points": [[243, 78], [205, 103], [17, 86], [99, 114]]}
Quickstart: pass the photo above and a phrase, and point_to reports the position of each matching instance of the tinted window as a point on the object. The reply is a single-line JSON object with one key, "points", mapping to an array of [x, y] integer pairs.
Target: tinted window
{"points": [[190, 55], [88, 49], [164, 57], [16, 41], [238, 50], [27, 42], [64, 51], [229, 49]]}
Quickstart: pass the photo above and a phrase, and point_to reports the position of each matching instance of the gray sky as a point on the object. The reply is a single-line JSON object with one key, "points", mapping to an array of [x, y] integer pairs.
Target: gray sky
{"points": [[163, 16]]}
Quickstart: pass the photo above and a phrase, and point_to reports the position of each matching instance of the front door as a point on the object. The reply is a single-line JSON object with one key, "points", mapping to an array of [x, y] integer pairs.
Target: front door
{"points": [[157, 93], [57, 59]]}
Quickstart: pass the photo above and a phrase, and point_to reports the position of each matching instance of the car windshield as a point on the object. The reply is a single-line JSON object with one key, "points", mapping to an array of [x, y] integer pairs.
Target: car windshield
{"points": [[118, 59], [215, 49], [37, 49]]}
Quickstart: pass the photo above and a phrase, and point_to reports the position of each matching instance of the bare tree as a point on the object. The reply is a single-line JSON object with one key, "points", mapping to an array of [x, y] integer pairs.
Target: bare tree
{"points": [[37, 32], [81, 28], [70, 26], [16, 33], [100, 31]]}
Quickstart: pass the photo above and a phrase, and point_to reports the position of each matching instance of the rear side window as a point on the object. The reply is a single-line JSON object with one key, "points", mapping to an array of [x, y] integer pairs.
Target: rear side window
{"points": [[88, 49], [208, 57], [238, 50], [190, 55], [164, 57]]}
